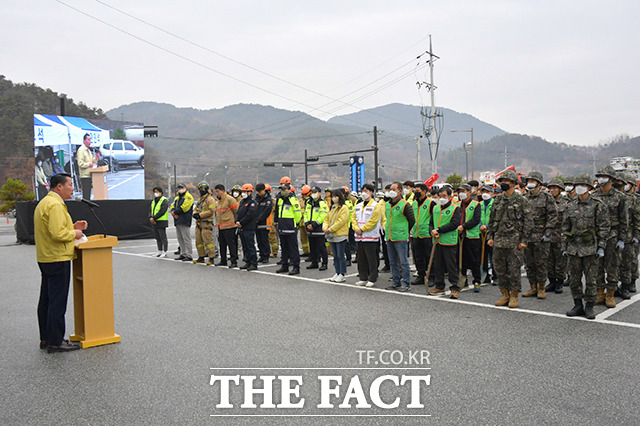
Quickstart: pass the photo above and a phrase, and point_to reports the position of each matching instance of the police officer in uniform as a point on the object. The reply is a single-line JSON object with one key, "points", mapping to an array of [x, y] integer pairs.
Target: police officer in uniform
{"points": [[264, 222], [305, 191], [287, 216], [246, 222], [204, 215], [314, 213]]}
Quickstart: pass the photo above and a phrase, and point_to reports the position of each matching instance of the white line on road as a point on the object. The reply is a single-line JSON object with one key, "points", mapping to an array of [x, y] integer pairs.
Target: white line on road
{"points": [[124, 181]]}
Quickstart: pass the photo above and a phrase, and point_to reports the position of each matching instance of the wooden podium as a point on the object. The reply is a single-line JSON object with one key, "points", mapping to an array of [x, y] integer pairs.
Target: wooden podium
{"points": [[93, 292], [99, 181]]}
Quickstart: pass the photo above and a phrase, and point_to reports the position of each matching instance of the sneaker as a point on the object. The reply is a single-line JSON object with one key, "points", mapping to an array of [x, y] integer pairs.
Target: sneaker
{"points": [[340, 279], [359, 283], [436, 291], [164, 254], [404, 289], [369, 284], [158, 254], [333, 278], [454, 294], [476, 288], [392, 287]]}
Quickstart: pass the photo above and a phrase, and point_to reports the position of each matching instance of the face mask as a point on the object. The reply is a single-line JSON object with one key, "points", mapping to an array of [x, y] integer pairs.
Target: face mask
{"points": [[393, 195], [617, 185], [603, 180], [462, 196], [39, 163], [156, 194], [245, 195], [504, 186], [203, 192], [627, 187], [581, 190], [532, 185], [235, 194], [365, 196], [181, 191], [314, 195], [486, 196], [568, 188], [473, 189], [405, 191], [334, 200], [443, 201], [518, 191], [386, 195]]}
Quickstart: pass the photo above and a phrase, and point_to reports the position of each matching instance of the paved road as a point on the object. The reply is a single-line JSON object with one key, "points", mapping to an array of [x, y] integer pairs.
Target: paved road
{"points": [[127, 184], [487, 365]]}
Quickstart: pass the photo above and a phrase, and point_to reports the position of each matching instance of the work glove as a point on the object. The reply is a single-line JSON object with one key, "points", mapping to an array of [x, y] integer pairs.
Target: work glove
{"points": [[196, 215], [545, 239], [635, 241], [620, 245], [600, 253], [565, 253]]}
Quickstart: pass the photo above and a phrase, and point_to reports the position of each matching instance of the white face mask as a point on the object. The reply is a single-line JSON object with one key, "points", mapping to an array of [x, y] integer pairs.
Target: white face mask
{"points": [[314, 195], [334, 200], [235, 195], [245, 195], [443, 201], [532, 185], [39, 163], [581, 190], [365, 196], [568, 188], [386, 194], [518, 191], [393, 195], [181, 191], [486, 196], [462, 196], [603, 180], [156, 194], [627, 187], [473, 189], [405, 191]]}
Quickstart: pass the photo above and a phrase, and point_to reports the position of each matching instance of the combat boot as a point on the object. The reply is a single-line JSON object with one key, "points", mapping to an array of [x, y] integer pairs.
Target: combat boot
{"points": [[504, 300], [632, 286], [552, 285], [588, 311], [532, 292], [624, 291], [513, 298], [578, 309], [608, 299], [558, 289], [600, 297], [541, 293]]}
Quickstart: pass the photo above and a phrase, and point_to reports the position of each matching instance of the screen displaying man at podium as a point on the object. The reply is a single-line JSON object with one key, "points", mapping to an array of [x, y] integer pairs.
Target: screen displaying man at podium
{"points": [[55, 234]]}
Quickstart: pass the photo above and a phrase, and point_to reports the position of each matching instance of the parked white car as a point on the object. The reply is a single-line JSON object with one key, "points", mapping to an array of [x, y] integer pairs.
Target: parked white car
{"points": [[122, 153]]}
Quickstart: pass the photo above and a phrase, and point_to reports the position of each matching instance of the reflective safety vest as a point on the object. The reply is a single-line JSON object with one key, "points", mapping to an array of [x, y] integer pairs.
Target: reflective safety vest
{"points": [[315, 213], [349, 204], [486, 212], [442, 218], [288, 215], [156, 205], [475, 231], [423, 218], [362, 216], [397, 228]]}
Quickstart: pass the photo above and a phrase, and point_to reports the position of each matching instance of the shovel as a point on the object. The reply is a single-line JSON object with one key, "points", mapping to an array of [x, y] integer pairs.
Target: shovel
{"points": [[483, 271], [433, 252], [461, 279]]}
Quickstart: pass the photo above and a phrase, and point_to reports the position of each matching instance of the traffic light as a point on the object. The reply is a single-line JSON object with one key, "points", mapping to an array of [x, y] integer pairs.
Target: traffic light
{"points": [[310, 159]]}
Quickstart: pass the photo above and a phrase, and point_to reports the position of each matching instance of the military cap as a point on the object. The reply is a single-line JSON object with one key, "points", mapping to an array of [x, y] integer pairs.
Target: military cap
{"points": [[509, 175], [535, 175], [607, 171], [557, 182], [583, 179]]}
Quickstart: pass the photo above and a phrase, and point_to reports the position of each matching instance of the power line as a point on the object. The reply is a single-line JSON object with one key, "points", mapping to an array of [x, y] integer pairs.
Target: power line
{"points": [[259, 140]]}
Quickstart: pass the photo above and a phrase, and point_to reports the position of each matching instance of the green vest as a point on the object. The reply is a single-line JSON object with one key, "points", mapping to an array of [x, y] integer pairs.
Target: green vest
{"points": [[475, 231], [292, 211], [442, 218], [397, 227], [155, 208], [315, 214], [423, 218], [486, 212]]}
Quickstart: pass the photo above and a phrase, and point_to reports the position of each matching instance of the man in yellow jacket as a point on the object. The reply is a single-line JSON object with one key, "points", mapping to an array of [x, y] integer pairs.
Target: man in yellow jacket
{"points": [[85, 164], [55, 234]]}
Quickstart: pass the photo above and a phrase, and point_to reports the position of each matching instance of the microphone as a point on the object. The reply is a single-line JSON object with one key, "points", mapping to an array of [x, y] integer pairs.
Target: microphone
{"points": [[90, 203]]}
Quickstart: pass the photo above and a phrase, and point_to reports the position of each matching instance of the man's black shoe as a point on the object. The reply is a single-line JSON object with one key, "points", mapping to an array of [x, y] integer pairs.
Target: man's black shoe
{"points": [[187, 259], [264, 260], [177, 251], [385, 270], [65, 346], [245, 266], [314, 265], [348, 262], [323, 267], [221, 264], [252, 268], [392, 287], [282, 269], [295, 271], [418, 281], [233, 265], [279, 262], [181, 257]]}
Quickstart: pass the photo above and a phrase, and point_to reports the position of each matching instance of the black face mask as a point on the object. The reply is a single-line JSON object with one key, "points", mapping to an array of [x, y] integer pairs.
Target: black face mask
{"points": [[418, 194], [203, 192], [504, 186], [617, 185]]}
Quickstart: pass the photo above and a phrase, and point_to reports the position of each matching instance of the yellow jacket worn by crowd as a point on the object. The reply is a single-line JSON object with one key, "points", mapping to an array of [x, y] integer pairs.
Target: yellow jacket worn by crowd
{"points": [[226, 212], [337, 221], [53, 230], [84, 159]]}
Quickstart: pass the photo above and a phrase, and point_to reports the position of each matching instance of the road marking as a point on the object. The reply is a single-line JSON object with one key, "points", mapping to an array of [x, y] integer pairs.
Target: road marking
{"points": [[124, 181], [599, 319], [619, 307]]}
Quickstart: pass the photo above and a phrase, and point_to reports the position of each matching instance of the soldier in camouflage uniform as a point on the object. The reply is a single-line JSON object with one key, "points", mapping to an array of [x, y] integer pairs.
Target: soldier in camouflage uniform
{"points": [[569, 188], [629, 262], [510, 226], [585, 225], [557, 266], [631, 180], [545, 217], [618, 214]]}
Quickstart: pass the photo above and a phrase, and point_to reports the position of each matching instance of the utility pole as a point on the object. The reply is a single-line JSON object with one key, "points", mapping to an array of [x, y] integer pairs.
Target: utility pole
{"points": [[506, 157], [594, 163], [375, 156], [306, 174], [419, 159], [434, 131]]}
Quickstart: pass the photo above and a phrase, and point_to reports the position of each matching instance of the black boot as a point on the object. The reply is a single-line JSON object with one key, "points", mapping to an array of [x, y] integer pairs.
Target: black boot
{"points": [[558, 289], [313, 265], [566, 283], [624, 291], [551, 286], [245, 266], [588, 311], [632, 286], [282, 269], [323, 267], [577, 310], [295, 271], [419, 280]]}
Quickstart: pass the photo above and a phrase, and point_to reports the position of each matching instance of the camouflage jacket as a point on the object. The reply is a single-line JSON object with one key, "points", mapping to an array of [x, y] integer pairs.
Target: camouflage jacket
{"points": [[544, 214], [556, 232], [633, 203], [586, 227], [616, 202], [510, 222]]}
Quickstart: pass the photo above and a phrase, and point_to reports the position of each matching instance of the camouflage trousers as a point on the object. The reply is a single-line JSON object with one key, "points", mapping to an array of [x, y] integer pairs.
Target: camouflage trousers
{"points": [[204, 241], [557, 262], [578, 266], [609, 265], [536, 258], [629, 263], [507, 263]]}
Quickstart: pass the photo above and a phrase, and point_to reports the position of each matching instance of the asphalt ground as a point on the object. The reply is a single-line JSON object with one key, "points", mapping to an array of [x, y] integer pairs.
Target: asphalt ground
{"points": [[127, 184], [182, 323]]}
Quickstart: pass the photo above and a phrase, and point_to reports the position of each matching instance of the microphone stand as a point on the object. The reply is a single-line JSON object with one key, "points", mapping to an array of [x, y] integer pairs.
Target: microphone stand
{"points": [[104, 230]]}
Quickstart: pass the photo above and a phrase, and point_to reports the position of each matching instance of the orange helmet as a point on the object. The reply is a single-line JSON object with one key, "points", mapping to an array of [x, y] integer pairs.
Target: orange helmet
{"points": [[291, 188], [267, 187], [306, 190], [247, 187], [285, 179]]}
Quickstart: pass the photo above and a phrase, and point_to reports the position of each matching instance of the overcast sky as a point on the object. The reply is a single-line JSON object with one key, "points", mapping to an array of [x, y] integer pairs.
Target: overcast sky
{"points": [[563, 70]]}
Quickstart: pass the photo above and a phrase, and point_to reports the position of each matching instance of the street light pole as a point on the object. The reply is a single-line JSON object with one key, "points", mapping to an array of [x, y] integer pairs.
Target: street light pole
{"points": [[466, 160], [472, 147]]}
